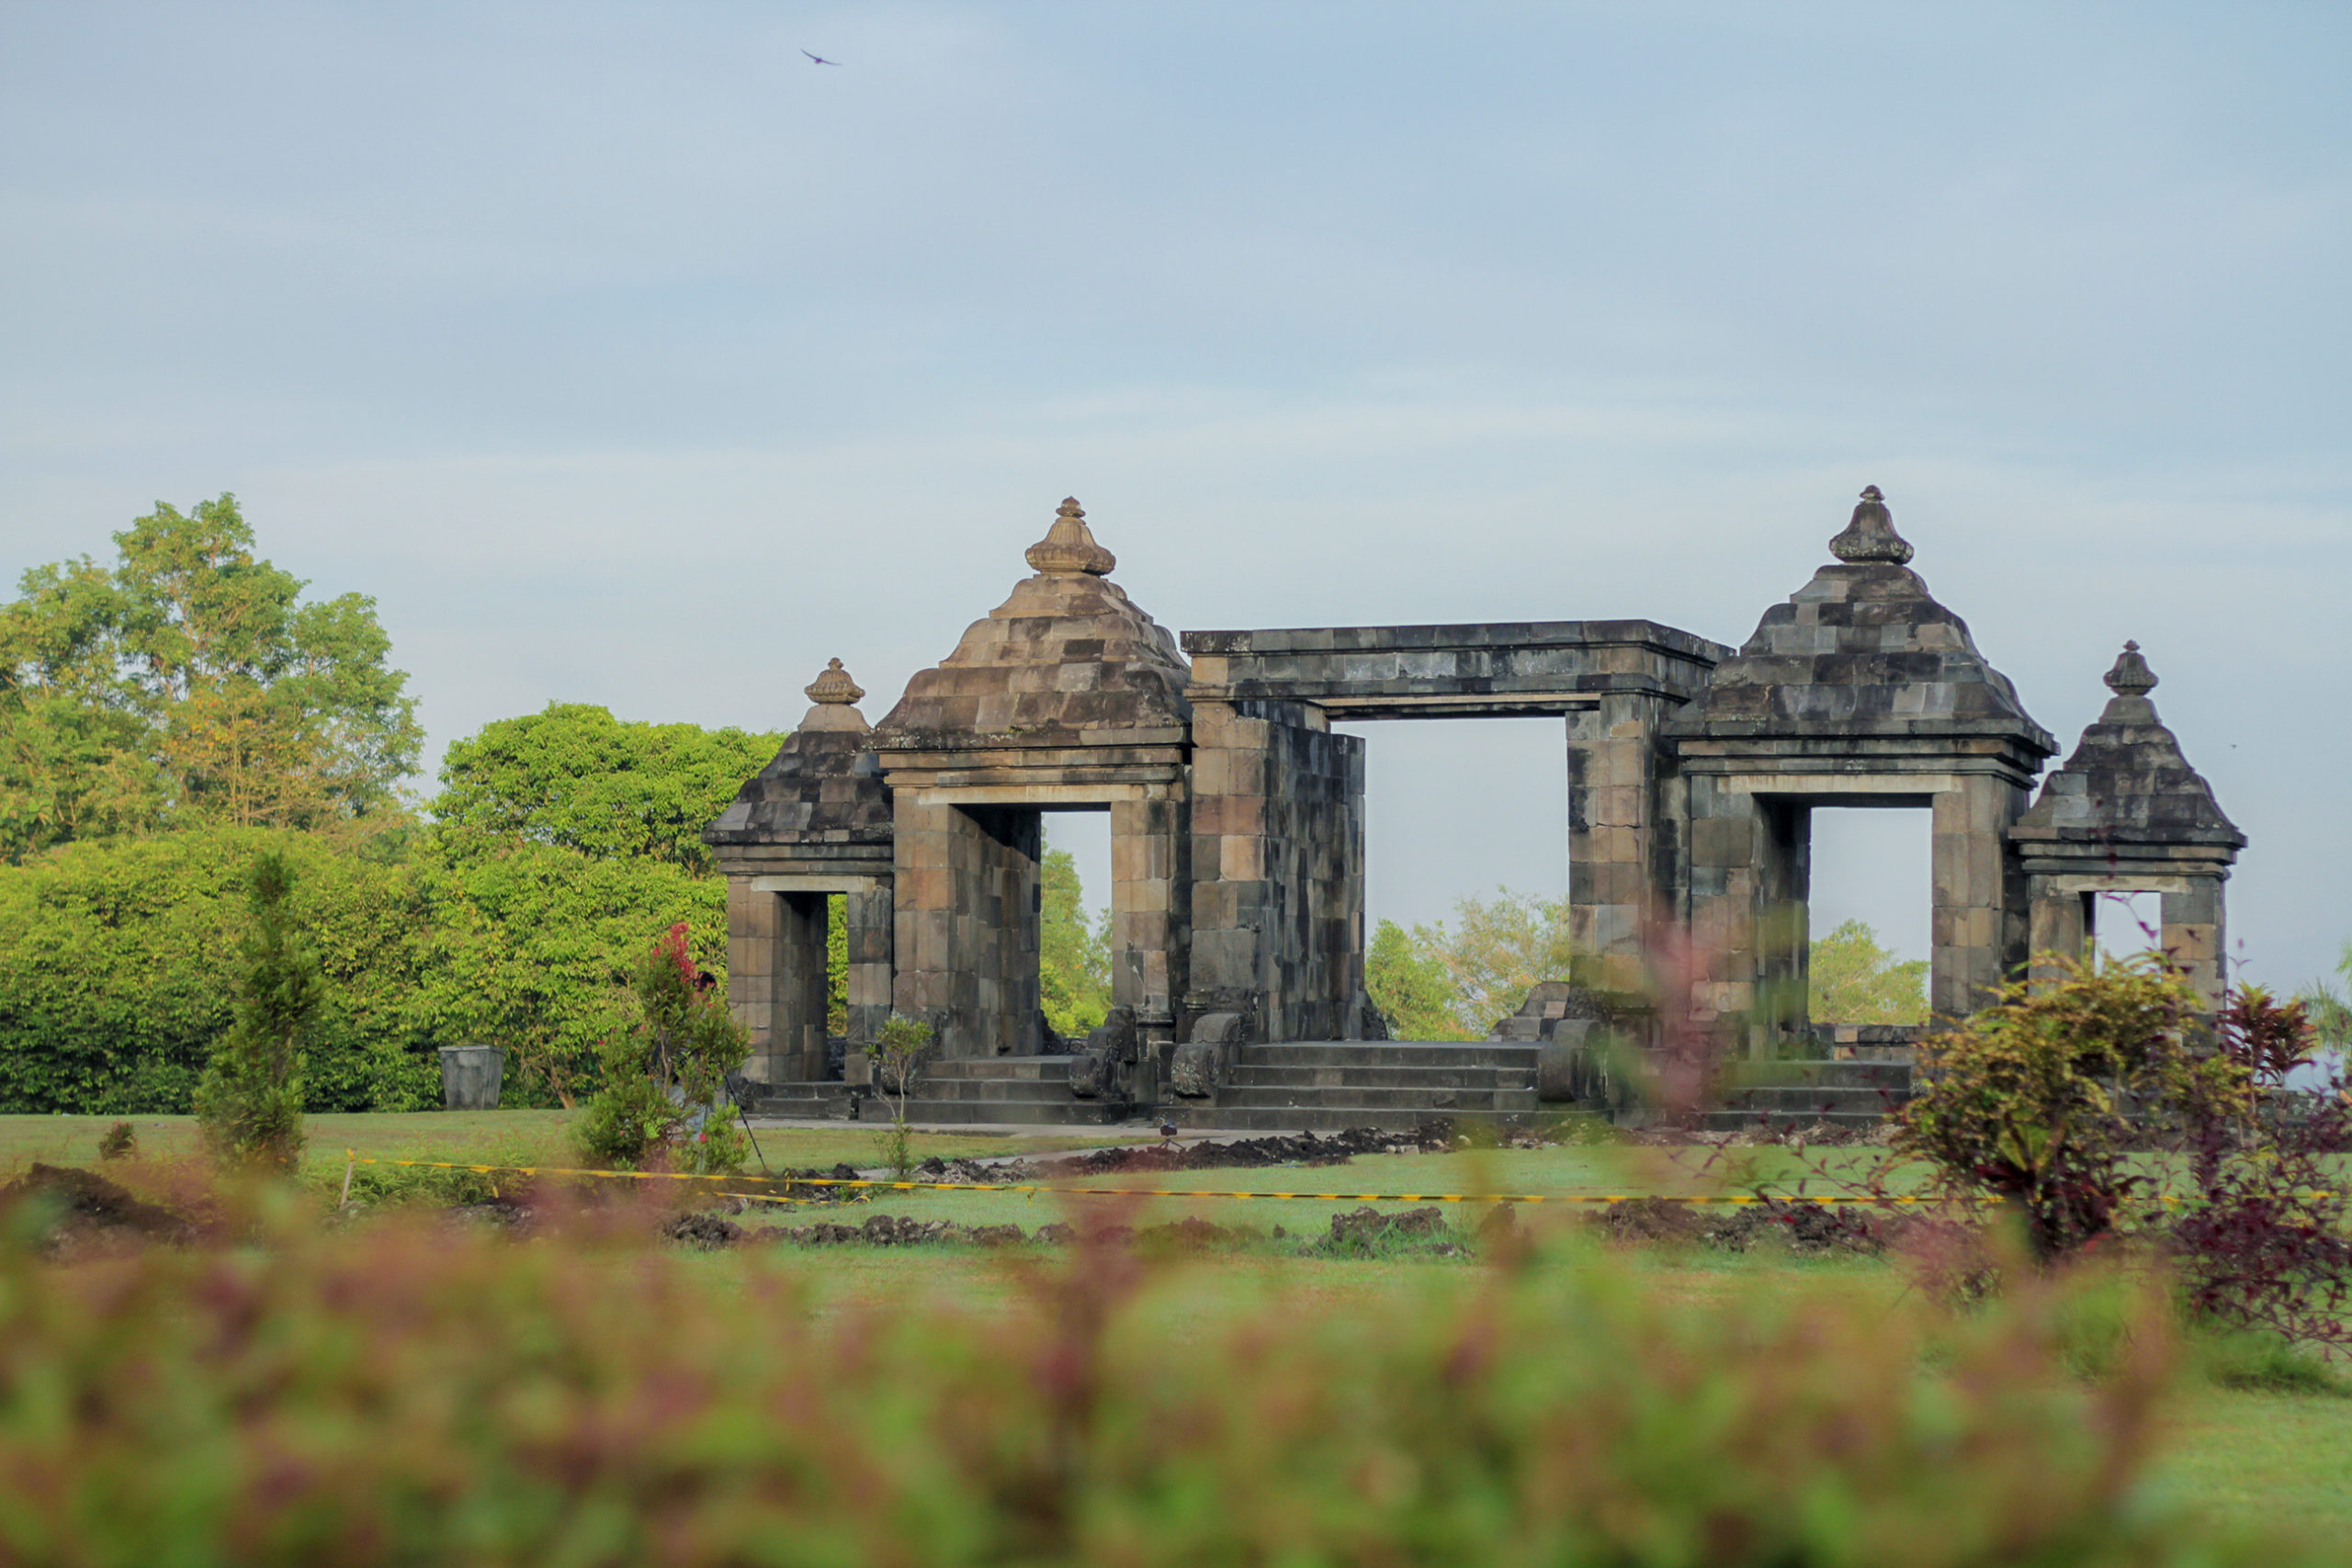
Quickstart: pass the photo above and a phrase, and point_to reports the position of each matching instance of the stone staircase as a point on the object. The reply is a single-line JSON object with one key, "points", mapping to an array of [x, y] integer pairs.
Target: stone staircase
{"points": [[1324, 1086], [1797, 1094]]}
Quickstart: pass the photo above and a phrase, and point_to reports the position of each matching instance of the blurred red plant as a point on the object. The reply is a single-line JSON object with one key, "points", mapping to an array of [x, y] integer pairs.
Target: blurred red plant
{"points": [[405, 1393]]}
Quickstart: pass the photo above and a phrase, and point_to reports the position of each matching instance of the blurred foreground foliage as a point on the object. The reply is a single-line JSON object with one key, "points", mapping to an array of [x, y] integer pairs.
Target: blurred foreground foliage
{"points": [[399, 1394]]}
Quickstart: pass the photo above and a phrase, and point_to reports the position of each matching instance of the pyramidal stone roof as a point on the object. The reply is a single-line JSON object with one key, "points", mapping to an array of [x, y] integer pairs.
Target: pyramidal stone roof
{"points": [[2128, 782], [1863, 651], [1068, 660], [823, 787]]}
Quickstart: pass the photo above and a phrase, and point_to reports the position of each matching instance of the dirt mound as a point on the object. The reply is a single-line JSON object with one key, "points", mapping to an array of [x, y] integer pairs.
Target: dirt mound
{"points": [[901, 1230], [86, 1209], [704, 1229], [1809, 1228], [1366, 1230], [1434, 1136]]}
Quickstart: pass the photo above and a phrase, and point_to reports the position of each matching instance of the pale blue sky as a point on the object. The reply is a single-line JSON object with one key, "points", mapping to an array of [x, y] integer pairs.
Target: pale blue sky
{"points": [[627, 358]]}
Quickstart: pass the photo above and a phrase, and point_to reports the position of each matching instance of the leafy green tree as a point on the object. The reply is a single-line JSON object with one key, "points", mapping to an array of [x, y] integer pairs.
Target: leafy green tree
{"points": [[191, 685], [576, 777], [661, 1102], [250, 1102], [529, 946], [1498, 950], [1411, 984], [1073, 953], [1852, 979], [77, 758], [2330, 1013]]}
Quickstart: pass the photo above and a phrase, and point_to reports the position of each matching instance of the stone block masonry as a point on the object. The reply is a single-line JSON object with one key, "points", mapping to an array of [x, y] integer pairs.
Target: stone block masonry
{"points": [[1695, 772]]}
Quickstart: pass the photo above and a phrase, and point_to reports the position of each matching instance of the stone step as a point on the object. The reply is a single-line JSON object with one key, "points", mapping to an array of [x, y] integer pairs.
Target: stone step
{"points": [[806, 1101], [997, 1090], [1040, 1068], [1842, 1075], [1257, 1076], [1426, 1101], [1067, 1111], [1748, 1121], [1792, 1103], [1389, 1053], [1201, 1113]]}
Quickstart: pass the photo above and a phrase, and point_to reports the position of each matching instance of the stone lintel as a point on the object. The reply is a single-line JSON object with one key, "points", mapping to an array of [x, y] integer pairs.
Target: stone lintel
{"points": [[2122, 860], [1824, 758], [1649, 635], [1086, 795], [1101, 775], [866, 860], [893, 743], [2060, 883], [1370, 700], [1507, 669], [818, 881], [1009, 763]]}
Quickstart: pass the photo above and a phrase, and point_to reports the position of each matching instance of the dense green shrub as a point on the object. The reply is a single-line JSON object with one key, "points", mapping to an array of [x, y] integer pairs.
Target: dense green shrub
{"points": [[116, 977], [2041, 1098], [409, 1396], [531, 947], [115, 973]]}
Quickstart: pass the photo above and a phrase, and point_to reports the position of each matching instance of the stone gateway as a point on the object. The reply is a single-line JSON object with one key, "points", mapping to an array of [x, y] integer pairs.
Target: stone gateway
{"points": [[1238, 852]]}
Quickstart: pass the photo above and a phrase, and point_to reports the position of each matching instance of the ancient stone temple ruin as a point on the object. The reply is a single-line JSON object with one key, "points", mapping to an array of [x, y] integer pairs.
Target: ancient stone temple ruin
{"points": [[1237, 848]]}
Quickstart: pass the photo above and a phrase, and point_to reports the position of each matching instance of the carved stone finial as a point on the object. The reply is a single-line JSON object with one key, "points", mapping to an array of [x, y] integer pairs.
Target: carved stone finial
{"points": [[1871, 535], [835, 696], [1068, 549], [833, 685], [2130, 677]]}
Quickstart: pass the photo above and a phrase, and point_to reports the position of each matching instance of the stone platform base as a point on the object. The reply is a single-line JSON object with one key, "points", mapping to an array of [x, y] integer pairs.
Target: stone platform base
{"points": [[1324, 1086]]}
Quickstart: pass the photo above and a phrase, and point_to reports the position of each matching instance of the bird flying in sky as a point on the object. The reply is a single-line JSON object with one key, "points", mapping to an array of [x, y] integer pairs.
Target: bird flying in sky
{"points": [[820, 59]]}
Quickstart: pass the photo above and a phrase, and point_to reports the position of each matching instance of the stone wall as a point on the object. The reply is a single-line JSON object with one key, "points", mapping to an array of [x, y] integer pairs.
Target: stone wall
{"points": [[1277, 851], [966, 915]]}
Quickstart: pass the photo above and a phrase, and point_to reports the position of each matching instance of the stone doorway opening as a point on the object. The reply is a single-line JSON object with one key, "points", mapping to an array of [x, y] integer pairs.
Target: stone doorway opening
{"points": [[2124, 922], [1461, 808], [1873, 867], [1072, 992]]}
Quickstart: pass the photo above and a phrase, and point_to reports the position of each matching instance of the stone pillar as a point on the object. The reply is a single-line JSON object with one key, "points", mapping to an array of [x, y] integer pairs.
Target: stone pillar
{"points": [[753, 921], [866, 911], [1784, 917], [2058, 925], [2195, 936], [1276, 870], [796, 1040], [1725, 837], [1980, 922], [1148, 906], [965, 914], [1619, 860]]}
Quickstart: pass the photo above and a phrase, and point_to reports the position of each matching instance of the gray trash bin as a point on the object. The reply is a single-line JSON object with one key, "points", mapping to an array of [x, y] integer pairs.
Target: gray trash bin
{"points": [[470, 1075]]}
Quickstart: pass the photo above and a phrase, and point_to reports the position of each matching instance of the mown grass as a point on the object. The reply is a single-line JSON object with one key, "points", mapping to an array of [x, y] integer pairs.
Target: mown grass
{"points": [[538, 1137]]}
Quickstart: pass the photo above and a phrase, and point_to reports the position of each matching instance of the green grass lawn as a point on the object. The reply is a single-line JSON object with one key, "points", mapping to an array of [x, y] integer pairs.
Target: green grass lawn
{"points": [[525, 1137]]}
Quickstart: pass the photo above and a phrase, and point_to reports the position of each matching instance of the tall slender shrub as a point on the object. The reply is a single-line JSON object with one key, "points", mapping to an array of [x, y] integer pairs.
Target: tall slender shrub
{"points": [[250, 1099]]}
